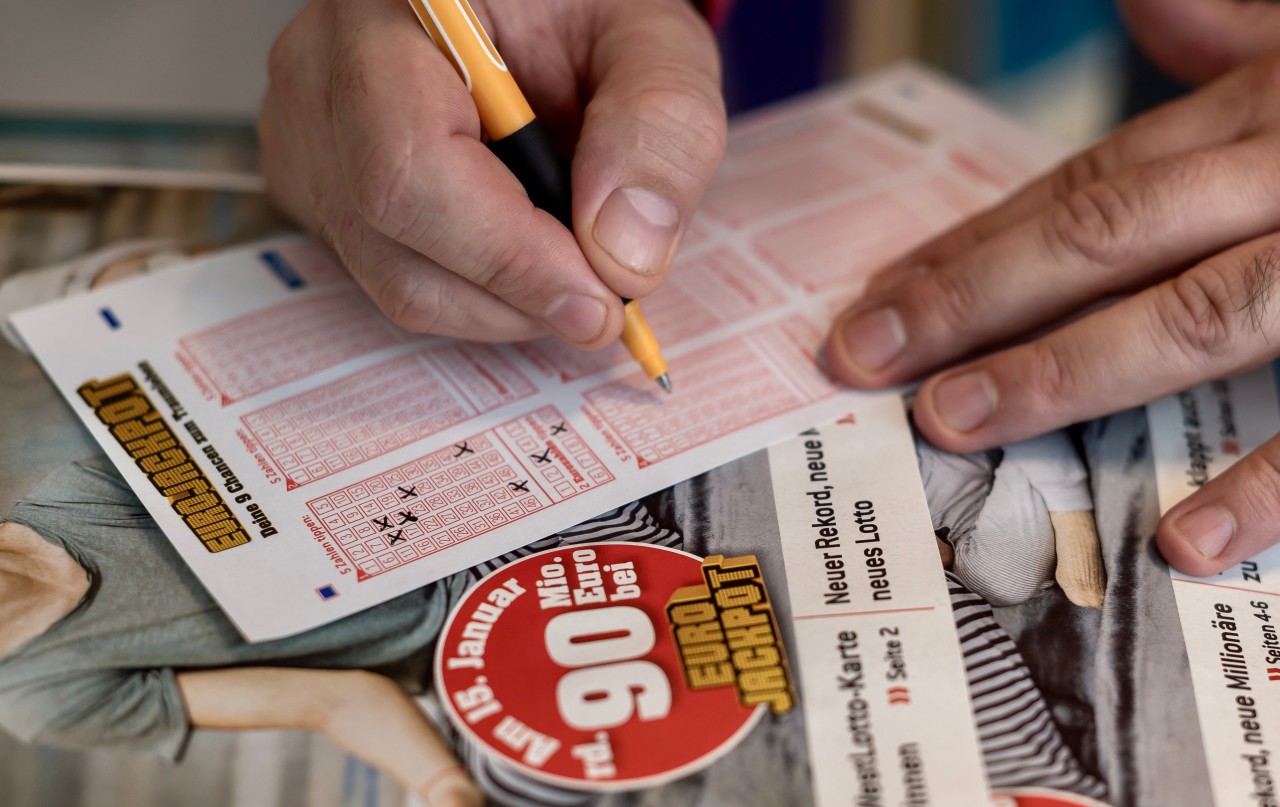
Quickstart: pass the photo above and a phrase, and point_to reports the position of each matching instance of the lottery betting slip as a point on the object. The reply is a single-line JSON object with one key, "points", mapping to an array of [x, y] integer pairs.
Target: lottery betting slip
{"points": [[309, 459]]}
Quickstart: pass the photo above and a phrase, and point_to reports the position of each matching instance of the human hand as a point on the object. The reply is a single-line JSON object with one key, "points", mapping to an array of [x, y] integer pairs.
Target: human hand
{"points": [[1198, 40], [371, 141], [1178, 208]]}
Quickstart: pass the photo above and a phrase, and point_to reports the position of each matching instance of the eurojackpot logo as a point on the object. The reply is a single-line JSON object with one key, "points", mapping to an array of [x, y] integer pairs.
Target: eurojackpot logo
{"points": [[135, 424], [728, 635]]}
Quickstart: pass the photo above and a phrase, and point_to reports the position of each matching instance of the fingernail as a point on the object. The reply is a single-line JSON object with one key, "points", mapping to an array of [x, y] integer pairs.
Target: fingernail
{"points": [[874, 339], [1208, 529], [577, 317], [638, 229], [965, 402]]}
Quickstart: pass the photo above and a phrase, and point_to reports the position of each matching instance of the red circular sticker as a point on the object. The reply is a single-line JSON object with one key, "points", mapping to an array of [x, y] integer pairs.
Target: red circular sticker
{"points": [[565, 665], [1040, 797]]}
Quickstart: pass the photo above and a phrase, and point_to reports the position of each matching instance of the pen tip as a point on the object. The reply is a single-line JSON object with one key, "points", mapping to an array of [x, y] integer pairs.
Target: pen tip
{"points": [[664, 381]]}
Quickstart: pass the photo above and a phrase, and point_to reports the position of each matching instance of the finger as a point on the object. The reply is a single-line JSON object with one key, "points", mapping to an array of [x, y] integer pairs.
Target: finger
{"points": [[407, 137], [418, 294], [450, 786], [1233, 517], [1213, 321], [1105, 238], [653, 136], [1215, 116], [1196, 40]]}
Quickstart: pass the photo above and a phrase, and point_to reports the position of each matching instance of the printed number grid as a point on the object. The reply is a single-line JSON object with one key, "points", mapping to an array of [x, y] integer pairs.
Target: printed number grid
{"points": [[372, 412], [484, 375], [357, 418], [749, 198], [708, 289], [723, 388], [841, 157], [288, 341], [555, 359], [459, 492], [793, 346], [843, 245]]}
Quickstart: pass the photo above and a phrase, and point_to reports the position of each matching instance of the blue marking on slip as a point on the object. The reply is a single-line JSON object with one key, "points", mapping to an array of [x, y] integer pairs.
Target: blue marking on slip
{"points": [[327, 592], [282, 269], [110, 317]]}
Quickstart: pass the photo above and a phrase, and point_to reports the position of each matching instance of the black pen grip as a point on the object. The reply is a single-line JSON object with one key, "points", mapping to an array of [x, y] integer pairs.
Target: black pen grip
{"points": [[528, 154]]}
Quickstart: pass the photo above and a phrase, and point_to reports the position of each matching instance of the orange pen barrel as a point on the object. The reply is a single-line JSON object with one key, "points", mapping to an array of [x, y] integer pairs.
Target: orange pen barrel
{"points": [[462, 39]]}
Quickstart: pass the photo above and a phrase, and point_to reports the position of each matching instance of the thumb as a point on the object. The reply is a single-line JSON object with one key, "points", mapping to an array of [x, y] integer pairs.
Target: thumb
{"points": [[652, 138], [1232, 518]]}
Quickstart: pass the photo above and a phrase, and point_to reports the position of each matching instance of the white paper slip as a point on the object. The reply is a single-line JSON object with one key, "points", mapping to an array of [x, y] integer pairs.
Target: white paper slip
{"points": [[1230, 622], [881, 675], [309, 459]]}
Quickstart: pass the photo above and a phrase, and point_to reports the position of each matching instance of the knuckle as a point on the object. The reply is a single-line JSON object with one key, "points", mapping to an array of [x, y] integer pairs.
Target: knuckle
{"points": [[1260, 486], [1050, 374], [681, 125], [1100, 223], [1198, 313], [382, 187], [407, 297], [951, 298], [512, 274], [1078, 172]]}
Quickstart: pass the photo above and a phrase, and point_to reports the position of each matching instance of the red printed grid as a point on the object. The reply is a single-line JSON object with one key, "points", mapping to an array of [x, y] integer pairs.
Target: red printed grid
{"points": [[711, 288], [728, 286], [375, 411], [696, 235], [723, 389], [991, 163], [557, 360], [794, 346], [743, 199], [483, 373], [459, 492], [843, 244], [782, 135], [313, 263], [288, 341], [949, 199]]}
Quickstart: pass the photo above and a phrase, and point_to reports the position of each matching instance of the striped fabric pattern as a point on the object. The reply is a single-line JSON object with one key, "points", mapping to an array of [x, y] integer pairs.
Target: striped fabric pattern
{"points": [[630, 522], [1021, 745]]}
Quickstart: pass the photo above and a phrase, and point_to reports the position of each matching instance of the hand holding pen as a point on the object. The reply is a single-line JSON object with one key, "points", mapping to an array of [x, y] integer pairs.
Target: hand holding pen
{"points": [[373, 143]]}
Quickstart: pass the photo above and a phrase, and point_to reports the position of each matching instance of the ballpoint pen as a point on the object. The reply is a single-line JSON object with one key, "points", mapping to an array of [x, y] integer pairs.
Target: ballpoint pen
{"points": [[519, 141]]}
